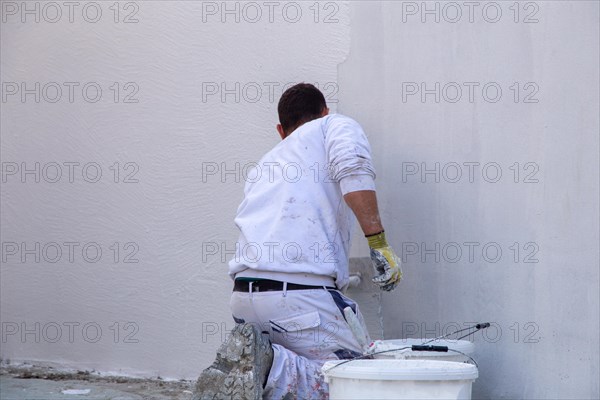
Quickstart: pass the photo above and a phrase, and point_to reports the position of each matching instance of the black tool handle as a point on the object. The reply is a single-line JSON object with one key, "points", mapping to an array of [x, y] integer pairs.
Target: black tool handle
{"points": [[426, 347]]}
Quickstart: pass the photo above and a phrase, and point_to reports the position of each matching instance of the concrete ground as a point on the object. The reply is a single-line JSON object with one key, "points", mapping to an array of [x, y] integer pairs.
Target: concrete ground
{"points": [[46, 383]]}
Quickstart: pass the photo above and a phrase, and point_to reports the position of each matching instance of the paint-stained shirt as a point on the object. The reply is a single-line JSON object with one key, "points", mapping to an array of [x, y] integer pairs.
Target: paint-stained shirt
{"points": [[294, 223]]}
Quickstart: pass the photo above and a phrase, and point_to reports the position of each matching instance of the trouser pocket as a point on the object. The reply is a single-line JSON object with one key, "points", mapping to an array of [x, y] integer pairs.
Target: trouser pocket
{"points": [[303, 333], [296, 323]]}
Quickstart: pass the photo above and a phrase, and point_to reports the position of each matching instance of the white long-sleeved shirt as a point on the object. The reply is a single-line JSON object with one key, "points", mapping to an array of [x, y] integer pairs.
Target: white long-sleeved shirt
{"points": [[294, 223]]}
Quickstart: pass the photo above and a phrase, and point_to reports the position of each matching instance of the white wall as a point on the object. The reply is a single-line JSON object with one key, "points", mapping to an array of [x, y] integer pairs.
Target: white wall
{"points": [[174, 215], [177, 302], [547, 311]]}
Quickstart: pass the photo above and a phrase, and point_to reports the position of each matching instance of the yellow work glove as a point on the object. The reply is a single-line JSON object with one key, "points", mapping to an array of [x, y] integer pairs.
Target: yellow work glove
{"points": [[385, 262]]}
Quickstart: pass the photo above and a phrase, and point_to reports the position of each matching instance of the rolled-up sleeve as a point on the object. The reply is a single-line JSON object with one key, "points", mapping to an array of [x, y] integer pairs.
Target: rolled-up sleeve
{"points": [[348, 154]]}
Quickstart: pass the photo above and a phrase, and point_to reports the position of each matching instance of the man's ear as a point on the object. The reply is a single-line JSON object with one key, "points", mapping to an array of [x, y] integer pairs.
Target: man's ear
{"points": [[281, 132], [325, 112]]}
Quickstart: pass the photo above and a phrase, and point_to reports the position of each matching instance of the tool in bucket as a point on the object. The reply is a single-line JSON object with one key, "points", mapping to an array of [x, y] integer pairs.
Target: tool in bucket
{"points": [[371, 349]]}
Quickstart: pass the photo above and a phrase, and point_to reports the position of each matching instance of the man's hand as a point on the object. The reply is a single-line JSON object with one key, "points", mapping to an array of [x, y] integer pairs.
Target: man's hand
{"points": [[385, 262]]}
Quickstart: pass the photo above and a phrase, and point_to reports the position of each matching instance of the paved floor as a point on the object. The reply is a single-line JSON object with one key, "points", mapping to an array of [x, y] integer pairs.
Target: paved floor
{"points": [[38, 383]]}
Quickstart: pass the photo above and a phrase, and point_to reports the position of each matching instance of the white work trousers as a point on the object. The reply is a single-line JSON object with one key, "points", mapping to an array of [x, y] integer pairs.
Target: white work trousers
{"points": [[306, 328]]}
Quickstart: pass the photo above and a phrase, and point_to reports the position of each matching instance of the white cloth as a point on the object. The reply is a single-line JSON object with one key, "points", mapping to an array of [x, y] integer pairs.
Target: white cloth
{"points": [[293, 219], [307, 328]]}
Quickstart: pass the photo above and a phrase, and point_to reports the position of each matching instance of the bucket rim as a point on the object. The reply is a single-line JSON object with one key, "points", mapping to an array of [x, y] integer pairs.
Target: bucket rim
{"points": [[401, 370]]}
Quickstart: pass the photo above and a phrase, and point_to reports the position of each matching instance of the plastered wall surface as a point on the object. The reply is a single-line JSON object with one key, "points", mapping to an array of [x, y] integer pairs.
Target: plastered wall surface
{"points": [[492, 202], [206, 88], [518, 249]]}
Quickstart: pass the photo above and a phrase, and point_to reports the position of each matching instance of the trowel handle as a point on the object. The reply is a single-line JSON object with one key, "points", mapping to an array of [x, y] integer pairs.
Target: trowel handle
{"points": [[357, 330], [426, 347]]}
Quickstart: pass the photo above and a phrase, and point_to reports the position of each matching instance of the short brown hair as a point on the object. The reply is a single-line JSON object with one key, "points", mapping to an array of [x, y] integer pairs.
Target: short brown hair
{"points": [[299, 104]]}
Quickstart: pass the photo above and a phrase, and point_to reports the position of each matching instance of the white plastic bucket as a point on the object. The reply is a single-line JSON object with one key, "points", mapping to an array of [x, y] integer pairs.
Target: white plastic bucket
{"points": [[399, 379], [464, 346]]}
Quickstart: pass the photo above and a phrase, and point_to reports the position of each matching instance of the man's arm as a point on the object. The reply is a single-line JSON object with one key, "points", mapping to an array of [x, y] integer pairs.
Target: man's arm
{"points": [[363, 204], [349, 155]]}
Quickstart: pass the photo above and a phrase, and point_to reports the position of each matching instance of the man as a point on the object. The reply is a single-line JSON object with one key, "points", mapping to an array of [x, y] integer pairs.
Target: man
{"points": [[292, 257]]}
